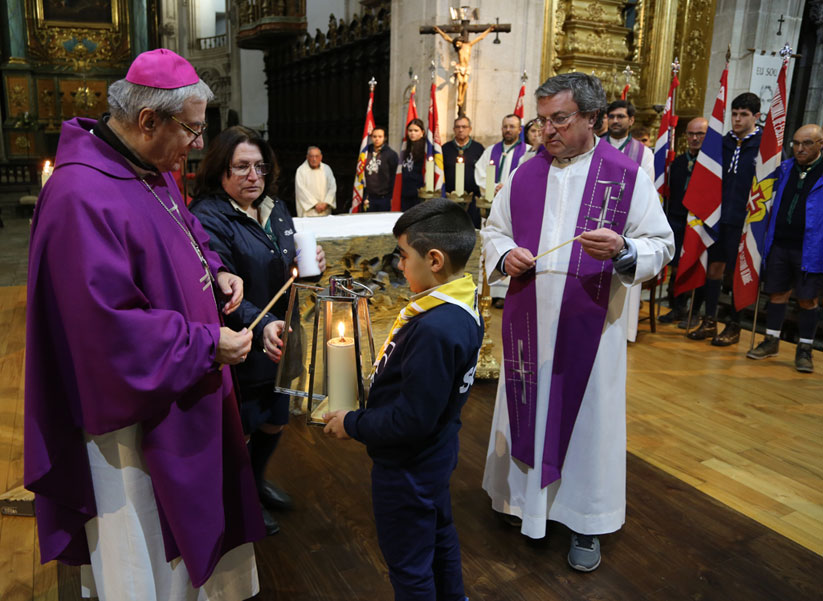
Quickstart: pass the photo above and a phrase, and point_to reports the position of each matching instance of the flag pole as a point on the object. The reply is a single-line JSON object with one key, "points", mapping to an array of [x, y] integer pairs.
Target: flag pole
{"points": [[754, 320], [672, 126]]}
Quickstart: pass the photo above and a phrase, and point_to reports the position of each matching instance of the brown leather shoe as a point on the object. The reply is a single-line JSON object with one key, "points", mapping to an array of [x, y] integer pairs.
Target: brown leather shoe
{"points": [[730, 335], [803, 358], [707, 329]]}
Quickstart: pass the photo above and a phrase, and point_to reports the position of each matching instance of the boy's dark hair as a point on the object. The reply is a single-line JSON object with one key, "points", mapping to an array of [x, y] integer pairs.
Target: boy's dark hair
{"points": [[747, 100], [440, 224], [622, 104], [638, 131]]}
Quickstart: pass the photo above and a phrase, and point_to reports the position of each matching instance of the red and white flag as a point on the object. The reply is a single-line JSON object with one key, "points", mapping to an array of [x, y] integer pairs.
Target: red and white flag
{"points": [[434, 150], [519, 108], [663, 147], [761, 197], [360, 170], [411, 114]]}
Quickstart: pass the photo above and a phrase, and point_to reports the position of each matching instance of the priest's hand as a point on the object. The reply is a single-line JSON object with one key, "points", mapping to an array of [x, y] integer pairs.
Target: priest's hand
{"points": [[602, 244], [321, 206], [334, 424], [271, 340], [233, 347], [519, 261], [321, 258], [232, 286]]}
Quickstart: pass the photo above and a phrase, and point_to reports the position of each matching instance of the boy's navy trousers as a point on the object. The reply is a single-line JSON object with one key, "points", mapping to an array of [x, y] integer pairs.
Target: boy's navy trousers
{"points": [[413, 513]]}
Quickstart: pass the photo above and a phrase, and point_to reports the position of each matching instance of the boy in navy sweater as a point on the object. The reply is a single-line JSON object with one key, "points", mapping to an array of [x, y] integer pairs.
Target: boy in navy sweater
{"points": [[421, 381]]}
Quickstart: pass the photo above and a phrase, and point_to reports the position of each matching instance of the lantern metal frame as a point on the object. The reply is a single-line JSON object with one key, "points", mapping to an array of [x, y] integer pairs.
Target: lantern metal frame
{"points": [[341, 290]]}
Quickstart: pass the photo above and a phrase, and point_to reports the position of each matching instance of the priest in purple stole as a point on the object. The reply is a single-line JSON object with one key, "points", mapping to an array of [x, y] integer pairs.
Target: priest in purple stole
{"points": [[133, 444], [557, 449]]}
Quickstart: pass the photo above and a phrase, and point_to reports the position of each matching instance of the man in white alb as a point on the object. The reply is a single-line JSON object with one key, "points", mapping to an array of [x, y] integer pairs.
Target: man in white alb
{"points": [[314, 186], [557, 448]]}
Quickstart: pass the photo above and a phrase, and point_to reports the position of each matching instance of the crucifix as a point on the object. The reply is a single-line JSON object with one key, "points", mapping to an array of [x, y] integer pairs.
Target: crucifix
{"points": [[521, 370], [607, 196], [461, 19], [781, 20]]}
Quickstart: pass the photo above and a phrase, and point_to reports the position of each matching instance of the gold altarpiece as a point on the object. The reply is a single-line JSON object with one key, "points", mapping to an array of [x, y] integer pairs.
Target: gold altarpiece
{"points": [[591, 36], [72, 52]]}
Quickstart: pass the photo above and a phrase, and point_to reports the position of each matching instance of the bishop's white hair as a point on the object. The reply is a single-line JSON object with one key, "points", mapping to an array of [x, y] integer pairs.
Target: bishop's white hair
{"points": [[127, 99]]}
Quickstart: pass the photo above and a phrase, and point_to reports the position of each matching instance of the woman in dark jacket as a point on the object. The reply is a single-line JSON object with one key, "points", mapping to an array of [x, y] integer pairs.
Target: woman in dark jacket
{"points": [[254, 236], [412, 158]]}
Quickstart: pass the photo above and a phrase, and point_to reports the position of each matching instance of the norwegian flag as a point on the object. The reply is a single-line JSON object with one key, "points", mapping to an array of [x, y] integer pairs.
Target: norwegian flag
{"points": [[519, 108], [703, 195], [663, 151], [434, 152], [398, 178], [703, 199], [360, 170], [761, 197]]}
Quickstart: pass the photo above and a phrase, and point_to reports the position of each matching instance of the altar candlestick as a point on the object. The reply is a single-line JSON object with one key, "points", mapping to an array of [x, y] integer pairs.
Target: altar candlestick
{"points": [[47, 171], [430, 175], [490, 183], [459, 177], [341, 372]]}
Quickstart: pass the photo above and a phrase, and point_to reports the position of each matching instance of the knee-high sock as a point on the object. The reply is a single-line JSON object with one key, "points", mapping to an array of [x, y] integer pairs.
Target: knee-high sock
{"points": [[807, 323], [261, 448], [712, 296], [775, 314]]}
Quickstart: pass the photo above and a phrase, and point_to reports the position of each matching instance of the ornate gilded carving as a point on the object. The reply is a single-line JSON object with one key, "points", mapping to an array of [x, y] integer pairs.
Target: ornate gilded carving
{"points": [[18, 90], [82, 98]]}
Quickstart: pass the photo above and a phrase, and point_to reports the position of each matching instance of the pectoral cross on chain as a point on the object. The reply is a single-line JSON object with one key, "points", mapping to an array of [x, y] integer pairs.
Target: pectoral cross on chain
{"points": [[607, 197], [521, 370]]}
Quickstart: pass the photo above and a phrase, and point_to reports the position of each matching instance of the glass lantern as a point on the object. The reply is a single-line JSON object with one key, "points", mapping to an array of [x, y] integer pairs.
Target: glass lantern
{"points": [[337, 377]]}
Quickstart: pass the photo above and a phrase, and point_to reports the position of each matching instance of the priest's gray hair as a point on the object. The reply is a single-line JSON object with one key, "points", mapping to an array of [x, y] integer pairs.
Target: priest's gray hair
{"points": [[587, 92], [127, 99]]}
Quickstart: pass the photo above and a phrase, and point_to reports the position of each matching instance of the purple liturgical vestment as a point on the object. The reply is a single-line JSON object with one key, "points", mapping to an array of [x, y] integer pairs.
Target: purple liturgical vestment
{"points": [[122, 329], [606, 203]]}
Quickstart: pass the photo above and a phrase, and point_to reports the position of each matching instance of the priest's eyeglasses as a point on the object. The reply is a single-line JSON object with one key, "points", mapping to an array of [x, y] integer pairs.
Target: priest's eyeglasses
{"points": [[557, 122], [188, 128], [244, 170]]}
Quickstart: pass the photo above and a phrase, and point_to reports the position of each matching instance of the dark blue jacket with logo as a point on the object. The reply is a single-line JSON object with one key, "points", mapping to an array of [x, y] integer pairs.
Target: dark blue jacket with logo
{"points": [[419, 388], [247, 252]]}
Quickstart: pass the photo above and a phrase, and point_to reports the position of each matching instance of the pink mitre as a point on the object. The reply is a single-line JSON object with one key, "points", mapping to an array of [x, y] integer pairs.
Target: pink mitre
{"points": [[163, 69]]}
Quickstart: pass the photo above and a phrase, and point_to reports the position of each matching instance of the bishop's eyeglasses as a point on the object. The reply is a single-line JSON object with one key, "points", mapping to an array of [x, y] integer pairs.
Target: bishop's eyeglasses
{"points": [[190, 129]]}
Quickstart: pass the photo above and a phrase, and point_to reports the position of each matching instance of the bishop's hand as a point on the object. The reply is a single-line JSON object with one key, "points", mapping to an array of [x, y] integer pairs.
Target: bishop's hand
{"points": [[232, 287], [233, 347]]}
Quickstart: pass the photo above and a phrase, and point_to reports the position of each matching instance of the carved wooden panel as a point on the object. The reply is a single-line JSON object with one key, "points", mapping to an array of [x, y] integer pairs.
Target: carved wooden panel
{"points": [[21, 144], [47, 100], [18, 97], [82, 98]]}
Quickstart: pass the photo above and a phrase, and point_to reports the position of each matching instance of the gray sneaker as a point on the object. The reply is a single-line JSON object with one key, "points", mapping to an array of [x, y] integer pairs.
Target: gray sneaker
{"points": [[766, 348], [803, 358], [584, 553]]}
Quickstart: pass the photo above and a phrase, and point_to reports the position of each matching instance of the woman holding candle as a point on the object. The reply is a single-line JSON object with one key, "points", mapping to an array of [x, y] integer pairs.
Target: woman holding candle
{"points": [[252, 231], [412, 159]]}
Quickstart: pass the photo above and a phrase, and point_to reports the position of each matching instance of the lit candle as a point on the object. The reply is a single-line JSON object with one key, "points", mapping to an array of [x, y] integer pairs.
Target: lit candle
{"points": [[490, 183], [459, 177], [430, 175], [46, 174], [341, 372]]}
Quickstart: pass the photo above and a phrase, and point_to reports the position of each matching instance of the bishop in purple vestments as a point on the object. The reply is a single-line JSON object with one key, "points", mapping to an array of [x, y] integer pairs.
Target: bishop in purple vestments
{"points": [[133, 444], [557, 446]]}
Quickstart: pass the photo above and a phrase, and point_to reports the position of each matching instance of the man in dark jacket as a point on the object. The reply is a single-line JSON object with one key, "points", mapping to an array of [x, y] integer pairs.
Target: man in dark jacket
{"points": [[740, 147], [470, 149], [794, 247], [677, 214], [381, 167]]}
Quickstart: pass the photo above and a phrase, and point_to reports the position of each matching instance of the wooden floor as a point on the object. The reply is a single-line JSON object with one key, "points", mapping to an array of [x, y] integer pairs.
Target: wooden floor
{"points": [[725, 492]]}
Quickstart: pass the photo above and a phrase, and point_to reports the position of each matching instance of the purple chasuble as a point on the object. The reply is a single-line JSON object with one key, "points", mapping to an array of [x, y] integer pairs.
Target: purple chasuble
{"points": [[514, 155], [605, 203], [122, 329]]}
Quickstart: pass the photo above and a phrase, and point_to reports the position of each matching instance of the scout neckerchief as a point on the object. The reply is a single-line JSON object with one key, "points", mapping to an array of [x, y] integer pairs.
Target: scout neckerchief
{"points": [[461, 292]]}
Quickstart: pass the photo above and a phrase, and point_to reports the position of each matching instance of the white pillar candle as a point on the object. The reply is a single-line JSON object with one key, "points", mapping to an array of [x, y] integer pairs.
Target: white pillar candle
{"points": [[460, 177], [490, 183], [342, 376], [46, 174], [430, 175]]}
